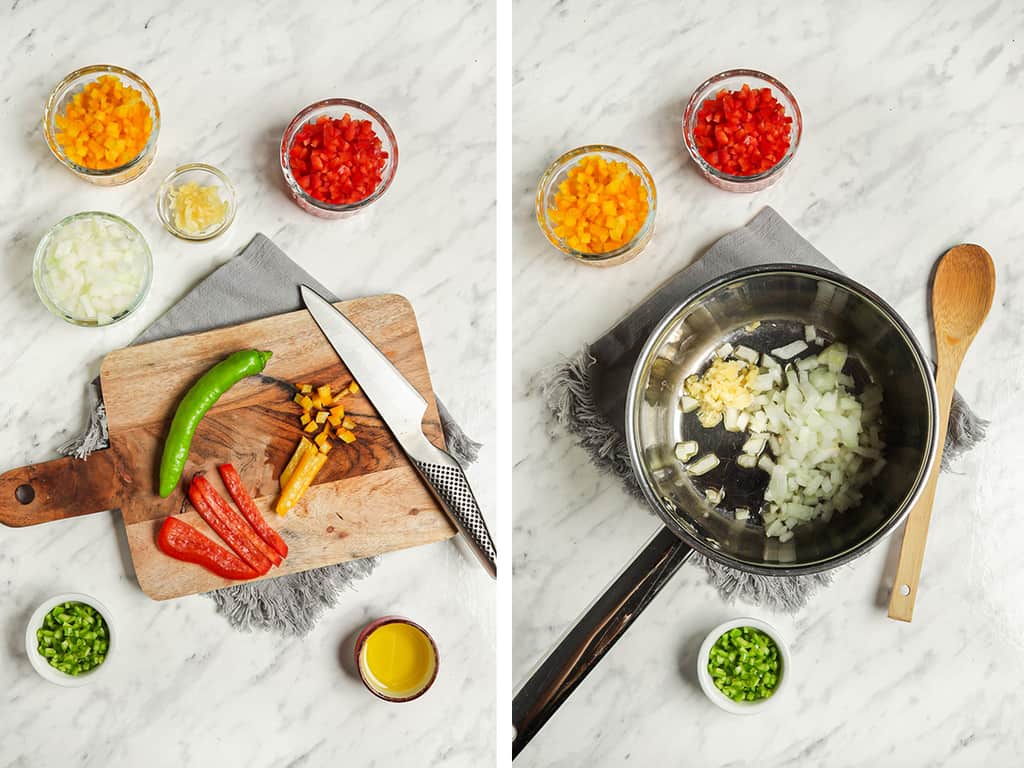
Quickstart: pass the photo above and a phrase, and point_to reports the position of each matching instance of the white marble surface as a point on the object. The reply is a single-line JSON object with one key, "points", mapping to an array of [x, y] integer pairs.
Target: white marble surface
{"points": [[913, 118], [186, 689]]}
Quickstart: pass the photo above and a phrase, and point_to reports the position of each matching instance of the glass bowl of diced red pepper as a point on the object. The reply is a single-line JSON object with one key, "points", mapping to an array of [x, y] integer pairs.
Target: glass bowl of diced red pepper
{"points": [[742, 129], [338, 156]]}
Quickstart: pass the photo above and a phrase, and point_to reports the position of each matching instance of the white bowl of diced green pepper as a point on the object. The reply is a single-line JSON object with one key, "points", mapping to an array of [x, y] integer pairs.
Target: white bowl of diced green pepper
{"points": [[743, 665], [70, 638]]}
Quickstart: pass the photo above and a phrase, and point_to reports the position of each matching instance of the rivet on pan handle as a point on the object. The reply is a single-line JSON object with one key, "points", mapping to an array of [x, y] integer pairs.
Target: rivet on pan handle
{"points": [[593, 635]]}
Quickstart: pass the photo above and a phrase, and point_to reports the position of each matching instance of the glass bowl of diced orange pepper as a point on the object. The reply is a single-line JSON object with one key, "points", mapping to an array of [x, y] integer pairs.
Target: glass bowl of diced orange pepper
{"points": [[101, 123], [597, 204]]}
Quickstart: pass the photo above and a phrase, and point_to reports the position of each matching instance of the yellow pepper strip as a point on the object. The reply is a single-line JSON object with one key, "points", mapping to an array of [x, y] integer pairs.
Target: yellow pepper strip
{"points": [[324, 393], [300, 481], [293, 462]]}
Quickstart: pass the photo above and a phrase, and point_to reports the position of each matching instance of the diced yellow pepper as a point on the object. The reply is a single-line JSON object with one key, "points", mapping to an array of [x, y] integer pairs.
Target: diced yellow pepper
{"points": [[305, 388], [346, 435], [311, 427], [326, 447], [306, 403], [316, 402], [293, 462], [334, 421], [322, 438], [298, 398], [347, 423], [304, 418], [324, 393], [353, 388], [321, 416]]}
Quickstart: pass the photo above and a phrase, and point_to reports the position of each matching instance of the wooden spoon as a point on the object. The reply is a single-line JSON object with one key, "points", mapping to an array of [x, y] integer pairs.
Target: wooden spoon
{"points": [[965, 282]]}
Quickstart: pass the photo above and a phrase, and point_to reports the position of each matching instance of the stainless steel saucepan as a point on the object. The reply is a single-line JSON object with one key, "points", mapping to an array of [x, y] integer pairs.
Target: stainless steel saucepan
{"points": [[763, 308]]}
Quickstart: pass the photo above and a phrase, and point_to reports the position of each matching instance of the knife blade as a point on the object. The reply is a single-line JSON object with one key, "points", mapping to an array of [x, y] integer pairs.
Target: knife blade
{"points": [[402, 408]]}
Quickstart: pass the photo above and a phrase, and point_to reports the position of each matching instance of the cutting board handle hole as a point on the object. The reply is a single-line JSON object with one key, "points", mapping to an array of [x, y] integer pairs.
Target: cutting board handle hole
{"points": [[25, 494], [905, 589]]}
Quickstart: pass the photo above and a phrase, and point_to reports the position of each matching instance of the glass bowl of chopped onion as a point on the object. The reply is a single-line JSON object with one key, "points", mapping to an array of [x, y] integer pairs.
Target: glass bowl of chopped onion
{"points": [[733, 81], [196, 202], [604, 235], [92, 269], [102, 149]]}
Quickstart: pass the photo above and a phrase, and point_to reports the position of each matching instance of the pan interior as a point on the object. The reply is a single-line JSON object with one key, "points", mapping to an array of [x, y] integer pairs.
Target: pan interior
{"points": [[782, 302]]}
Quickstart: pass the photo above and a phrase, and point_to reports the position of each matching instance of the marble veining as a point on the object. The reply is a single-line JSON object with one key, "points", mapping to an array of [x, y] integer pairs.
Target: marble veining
{"points": [[185, 689], [912, 120]]}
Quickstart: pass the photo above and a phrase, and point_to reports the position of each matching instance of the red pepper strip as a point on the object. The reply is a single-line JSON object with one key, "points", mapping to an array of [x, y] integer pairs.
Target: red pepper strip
{"points": [[245, 504], [183, 542], [235, 520], [215, 519]]}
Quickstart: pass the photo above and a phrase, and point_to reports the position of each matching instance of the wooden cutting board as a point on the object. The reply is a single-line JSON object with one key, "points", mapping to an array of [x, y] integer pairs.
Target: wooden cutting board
{"points": [[366, 500]]}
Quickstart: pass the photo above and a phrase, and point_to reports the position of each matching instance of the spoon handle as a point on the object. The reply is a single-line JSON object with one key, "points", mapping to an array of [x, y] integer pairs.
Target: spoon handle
{"points": [[908, 571]]}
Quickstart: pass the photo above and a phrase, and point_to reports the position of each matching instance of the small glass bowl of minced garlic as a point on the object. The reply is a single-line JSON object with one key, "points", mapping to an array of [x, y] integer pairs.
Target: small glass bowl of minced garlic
{"points": [[196, 202]]}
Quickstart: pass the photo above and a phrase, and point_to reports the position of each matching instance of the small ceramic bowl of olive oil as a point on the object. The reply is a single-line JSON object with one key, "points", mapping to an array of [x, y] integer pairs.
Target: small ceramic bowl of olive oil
{"points": [[397, 659]]}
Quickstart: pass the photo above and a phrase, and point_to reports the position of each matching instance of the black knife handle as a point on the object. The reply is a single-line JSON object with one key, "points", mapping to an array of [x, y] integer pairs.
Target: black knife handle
{"points": [[585, 644]]}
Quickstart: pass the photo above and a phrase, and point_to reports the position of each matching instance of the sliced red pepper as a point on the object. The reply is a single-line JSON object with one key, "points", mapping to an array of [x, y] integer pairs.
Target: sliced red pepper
{"points": [[183, 542], [249, 510], [225, 527], [238, 522]]}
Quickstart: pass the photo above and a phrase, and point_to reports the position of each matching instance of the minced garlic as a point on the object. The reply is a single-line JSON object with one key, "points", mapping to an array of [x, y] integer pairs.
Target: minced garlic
{"points": [[196, 208], [726, 384]]}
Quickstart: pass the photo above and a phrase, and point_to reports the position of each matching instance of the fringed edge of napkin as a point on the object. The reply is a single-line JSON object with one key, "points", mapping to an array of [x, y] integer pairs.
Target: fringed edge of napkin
{"points": [[568, 394]]}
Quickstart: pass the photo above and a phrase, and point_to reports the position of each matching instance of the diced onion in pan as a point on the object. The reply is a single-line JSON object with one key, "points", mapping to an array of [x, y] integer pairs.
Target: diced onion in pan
{"points": [[790, 350], [686, 451], [703, 465]]}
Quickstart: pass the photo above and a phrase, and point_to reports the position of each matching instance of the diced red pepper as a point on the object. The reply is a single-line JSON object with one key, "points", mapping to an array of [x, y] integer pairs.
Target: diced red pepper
{"points": [[227, 526], [249, 510], [338, 161], [181, 541], [744, 132]]}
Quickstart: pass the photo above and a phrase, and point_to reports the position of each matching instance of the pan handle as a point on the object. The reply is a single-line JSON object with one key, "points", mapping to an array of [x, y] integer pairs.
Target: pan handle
{"points": [[586, 643]]}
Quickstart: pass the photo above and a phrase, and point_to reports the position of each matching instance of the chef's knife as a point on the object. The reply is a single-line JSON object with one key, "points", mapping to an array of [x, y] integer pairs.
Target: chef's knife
{"points": [[402, 408]]}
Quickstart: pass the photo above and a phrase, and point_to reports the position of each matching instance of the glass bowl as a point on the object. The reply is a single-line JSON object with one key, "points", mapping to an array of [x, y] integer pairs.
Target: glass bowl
{"points": [[557, 173], [732, 80], [39, 273], [336, 108], [57, 103], [718, 698], [205, 176], [42, 666]]}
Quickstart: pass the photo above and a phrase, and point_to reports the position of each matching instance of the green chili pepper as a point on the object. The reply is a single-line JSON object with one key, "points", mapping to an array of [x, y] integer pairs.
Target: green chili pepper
{"points": [[744, 664], [197, 401], [64, 640]]}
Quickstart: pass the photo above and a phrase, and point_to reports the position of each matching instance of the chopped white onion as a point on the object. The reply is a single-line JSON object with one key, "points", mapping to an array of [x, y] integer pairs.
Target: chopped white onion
{"points": [[686, 451], [755, 445], [746, 460], [742, 513], [688, 404], [724, 351], [713, 496], [93, 269], [790, 350], [746, 354], [810, 333], [704, 464]]}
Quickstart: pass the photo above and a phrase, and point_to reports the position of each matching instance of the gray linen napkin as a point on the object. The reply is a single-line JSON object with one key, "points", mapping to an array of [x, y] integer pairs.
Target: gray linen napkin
{"points": [[258, 282], [587, 393]]}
